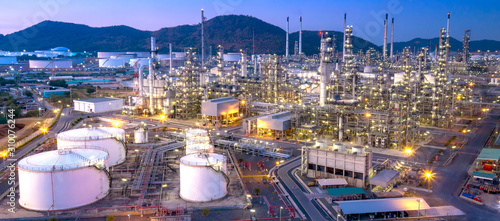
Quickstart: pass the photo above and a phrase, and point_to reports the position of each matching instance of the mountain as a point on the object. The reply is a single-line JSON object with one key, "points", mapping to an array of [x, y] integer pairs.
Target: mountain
{"points": [[418, 43], [233, 32]]}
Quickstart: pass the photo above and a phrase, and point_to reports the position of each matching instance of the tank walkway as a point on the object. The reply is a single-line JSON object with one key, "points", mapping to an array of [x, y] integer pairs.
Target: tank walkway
{"points": [[147, 168], [253, 147]]}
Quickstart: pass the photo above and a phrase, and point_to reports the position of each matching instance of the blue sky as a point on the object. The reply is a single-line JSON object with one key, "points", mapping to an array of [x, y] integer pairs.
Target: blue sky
{"points": [[413, 18]]}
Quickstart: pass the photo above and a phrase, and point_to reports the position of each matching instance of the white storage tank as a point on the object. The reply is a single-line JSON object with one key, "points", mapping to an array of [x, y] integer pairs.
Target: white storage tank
{"points": [[63, 179], [199, 148], [203, 177], [109, 138], [197, 136], [140, 136]]}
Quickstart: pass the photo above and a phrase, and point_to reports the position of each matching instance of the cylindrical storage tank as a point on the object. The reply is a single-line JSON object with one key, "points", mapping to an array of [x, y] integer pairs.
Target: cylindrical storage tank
{"points": [[140, 136], [358, 149], [109, 138], [199, 148], [197, 136], [63, 179], [203, 177], [339, 146], [321, 144]]}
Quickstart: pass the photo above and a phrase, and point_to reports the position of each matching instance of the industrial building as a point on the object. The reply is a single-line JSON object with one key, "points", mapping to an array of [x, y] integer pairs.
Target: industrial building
{"points": [[8, 60], [98, 105], [48, 91], [50, 64], [353, 164]]}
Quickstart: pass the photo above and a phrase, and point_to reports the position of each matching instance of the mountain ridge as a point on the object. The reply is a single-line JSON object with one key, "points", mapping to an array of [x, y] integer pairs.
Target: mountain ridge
{"points": [[234, 32]]}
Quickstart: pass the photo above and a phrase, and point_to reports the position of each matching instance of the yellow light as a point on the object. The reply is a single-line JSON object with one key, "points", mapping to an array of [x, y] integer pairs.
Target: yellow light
{"points": [[368, 115], [409, 151], [428, 175], [43, 129], [277, 163], [162, 117]]}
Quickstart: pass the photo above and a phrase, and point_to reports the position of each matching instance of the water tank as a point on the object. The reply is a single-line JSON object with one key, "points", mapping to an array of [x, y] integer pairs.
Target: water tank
{"points": [[199, 148], [140, 136], [339, 146], [109, 138], [321, 144], [358, 149], [203, 177], [63, 179], [197, 136]]}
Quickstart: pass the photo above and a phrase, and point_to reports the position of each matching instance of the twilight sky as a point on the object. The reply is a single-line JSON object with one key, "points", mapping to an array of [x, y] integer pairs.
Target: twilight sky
{"points": [[413, 18]]}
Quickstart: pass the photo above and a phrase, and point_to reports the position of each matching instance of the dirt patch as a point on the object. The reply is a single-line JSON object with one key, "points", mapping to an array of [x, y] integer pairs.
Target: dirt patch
{"points": [[4, 129]]}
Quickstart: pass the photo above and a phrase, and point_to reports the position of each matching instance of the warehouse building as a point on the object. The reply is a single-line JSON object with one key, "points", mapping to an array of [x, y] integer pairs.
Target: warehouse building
{"points": [[220, 112], [98, 105], [352, 164]]}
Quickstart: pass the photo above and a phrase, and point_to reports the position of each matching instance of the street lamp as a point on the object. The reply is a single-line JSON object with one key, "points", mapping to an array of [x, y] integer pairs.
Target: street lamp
{"points": [[429, 176], [418, 213], [408, 152], [253, 213], [161, 191], [280, 211]]}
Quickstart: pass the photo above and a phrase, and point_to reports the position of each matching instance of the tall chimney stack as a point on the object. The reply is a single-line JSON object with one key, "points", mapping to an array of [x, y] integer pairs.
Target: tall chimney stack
{"points": [[384, 48], [300, 36], [287, 33], [343, 46], [448, 25], [202, 41], [392, 39]]}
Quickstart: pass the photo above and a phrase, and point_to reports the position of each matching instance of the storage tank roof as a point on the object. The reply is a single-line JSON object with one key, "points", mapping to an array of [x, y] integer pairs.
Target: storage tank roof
{"points": [[207, 159], [60, 49], [63, 159], [91, 133]]}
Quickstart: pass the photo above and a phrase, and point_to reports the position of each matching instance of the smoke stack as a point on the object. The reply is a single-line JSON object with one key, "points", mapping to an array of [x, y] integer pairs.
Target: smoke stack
{"points": [[202, 41], [151, 74], [287, 33], [300, 36], [392, 38], [343, 46], [384, 49], [448, 25], [170, 51]]}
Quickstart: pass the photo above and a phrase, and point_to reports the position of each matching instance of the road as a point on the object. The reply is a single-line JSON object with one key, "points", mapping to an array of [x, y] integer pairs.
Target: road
{"points": [[454, 174], [297, 193]]}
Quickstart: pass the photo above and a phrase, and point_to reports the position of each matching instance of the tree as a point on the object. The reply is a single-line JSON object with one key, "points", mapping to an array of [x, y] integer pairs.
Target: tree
{"points": [[90, 90], [66, 93], [110, 218], [53, 219], [58, 83], [205, 212], [256, 191], [28, 93]]}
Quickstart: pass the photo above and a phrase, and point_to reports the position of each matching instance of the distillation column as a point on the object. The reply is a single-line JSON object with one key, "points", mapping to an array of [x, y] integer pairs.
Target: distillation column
{"points": [[151, 75]]}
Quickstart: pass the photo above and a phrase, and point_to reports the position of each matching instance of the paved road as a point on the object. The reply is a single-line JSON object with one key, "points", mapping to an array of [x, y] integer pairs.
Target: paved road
{"points": [[310, 210], [448, 179]]}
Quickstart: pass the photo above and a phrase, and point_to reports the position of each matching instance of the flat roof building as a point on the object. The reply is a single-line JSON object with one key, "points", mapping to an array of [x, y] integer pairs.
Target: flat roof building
{"points": [[98, 105], [352, 164], [386, 208]]}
